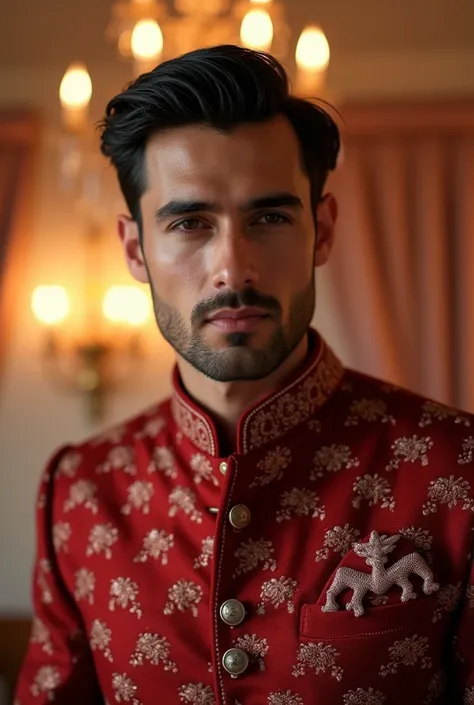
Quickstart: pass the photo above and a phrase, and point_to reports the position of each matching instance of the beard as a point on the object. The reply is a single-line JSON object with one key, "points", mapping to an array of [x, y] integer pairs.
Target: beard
{"points": [[239, 361]]}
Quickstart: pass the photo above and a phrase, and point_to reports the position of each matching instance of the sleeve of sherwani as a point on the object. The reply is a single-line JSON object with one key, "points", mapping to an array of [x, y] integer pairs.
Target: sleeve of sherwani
{"points": [[461, 682], [58, 666]]}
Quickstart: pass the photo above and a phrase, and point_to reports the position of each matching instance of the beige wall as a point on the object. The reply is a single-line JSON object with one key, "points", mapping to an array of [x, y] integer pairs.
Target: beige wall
{"points": [[33, 418]]}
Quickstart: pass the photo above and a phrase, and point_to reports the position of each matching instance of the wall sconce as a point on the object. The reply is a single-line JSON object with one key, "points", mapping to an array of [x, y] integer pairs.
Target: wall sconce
{"points": [[92, 367]]}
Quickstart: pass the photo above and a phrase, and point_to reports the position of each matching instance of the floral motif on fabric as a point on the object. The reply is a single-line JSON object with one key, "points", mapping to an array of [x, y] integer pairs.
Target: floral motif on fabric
{"points": [[255, 647], [156, 545], [119, 458], [46, 681], [364, 697], [101, 539], [276, 592], [202, 469], [163, 460], [411, 651], [433, 411], [207, 549], [139, 495], [319, 658], [184, 499], [447, 599], [154, 649], [284, 697], [152, 427], [125, 689], [448, 490], [252, 554], [300, 503], [112, 435], [40, 634], [124, 594], [100, 638], [69, 464], [61, 535], [375, 490], [84, 585], [82, 494], [436, 688], [183, 595], [470, 596], [340, 540], [332, 458], [371, 410], [467, 451], [271, 468], [197, 694], [469, 696], [410, 450], [44, 570]]}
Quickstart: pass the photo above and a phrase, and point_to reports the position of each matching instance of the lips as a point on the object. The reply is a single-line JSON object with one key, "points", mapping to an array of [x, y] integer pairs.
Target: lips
{"points": [[238, 320]]}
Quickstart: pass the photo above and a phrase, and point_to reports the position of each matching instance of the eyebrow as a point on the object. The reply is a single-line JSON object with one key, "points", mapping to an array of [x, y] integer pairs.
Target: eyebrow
{"points": [[186, 207]]}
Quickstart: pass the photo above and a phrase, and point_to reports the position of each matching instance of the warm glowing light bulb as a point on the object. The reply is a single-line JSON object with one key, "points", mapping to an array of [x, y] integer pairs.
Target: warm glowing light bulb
{"points": [[126, 304], [75, 90], [147, 40], [256, 31], [50, 304], [312, 51]]}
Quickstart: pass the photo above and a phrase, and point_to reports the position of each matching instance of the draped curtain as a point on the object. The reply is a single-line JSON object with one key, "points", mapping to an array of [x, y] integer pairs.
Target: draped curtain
{"points": [[19, 136], [402, 273]]}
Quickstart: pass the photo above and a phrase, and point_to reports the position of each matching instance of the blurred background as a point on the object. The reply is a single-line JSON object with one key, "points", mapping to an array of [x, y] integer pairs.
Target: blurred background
{"points": [[79, 349]]}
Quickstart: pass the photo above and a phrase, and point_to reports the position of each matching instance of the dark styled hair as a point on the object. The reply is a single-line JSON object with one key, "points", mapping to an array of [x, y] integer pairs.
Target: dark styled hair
{"points": [[222, 87]]}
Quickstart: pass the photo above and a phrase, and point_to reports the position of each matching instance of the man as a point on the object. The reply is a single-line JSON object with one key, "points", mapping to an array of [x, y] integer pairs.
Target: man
{"points": [[281, 531]]}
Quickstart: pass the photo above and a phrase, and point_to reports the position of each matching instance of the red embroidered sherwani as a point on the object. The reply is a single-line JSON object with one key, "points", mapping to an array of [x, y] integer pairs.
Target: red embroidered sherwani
{"points": [[165, 570]]}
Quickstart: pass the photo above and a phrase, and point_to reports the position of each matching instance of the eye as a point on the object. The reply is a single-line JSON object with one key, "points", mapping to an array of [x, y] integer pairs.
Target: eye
{"points": [[189, 224], [272, 219]]}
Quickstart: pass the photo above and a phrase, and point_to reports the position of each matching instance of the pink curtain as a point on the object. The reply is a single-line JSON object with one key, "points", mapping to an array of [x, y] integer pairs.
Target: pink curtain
{"points": [[19, 136], [403, 266]]}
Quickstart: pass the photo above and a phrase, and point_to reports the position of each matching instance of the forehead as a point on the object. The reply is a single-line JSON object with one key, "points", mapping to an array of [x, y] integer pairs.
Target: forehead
{"points": [[254, 157]]}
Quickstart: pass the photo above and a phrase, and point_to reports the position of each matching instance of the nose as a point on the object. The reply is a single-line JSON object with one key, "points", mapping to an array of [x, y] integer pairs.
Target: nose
{"points": [[234, 261]]}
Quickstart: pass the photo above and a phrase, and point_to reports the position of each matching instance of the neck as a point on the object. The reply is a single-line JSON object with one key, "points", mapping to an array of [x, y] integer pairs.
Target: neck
{"points": [[227, 401]]}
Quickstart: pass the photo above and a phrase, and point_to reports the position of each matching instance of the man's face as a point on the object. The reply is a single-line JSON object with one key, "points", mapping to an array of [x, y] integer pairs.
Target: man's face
{"points": [[229, 246]]}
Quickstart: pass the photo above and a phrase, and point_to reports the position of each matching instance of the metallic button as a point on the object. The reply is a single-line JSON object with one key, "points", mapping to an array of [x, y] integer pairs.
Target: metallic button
{"points": [[232, 612], [239, 516], [223, 467], [235, 662]]}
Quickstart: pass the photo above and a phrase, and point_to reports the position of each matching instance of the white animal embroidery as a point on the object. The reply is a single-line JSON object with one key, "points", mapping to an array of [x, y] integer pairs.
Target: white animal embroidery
{"points": [[380, 580]]}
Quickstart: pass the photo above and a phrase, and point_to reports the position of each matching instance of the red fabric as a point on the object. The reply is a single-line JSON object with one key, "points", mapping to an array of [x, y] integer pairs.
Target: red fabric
{"points": [[127, 593]]}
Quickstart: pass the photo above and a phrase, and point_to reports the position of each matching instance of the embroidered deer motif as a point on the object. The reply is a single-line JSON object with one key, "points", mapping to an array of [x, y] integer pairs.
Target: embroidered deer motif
{"points": [[380, 580]]}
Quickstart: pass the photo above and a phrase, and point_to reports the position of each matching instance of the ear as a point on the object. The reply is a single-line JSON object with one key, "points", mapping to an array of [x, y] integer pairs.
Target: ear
{"points": [[326, 217], [129, 237]]}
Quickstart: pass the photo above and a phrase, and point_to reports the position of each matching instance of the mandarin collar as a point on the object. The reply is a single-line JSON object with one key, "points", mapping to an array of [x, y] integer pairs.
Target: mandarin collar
{"points": [[272, 417]]}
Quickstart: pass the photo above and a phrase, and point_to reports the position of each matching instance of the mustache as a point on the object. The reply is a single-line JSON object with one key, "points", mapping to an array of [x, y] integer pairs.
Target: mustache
{"points": [[233, 299]]}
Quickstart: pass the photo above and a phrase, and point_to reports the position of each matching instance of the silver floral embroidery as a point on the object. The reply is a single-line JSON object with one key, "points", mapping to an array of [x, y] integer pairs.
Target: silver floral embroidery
{"points": [[340, 539], [124, 593], [469, 696], [314, 425], [47, 679], [275, 592], [84, 585], [206, 553], [420, 538], [447, 600], [470, 596], [184, 499], [436, 688], [467, 452], [44, 569], [69, 464], [164, 461], [371, 410], [407, 652], [332, 459], [61, 535], [272, 466], [434, 411], [139, 496], [155, 649], [101, 539], [256, 648], [112, 435], [364, 697], [152, 427], [183, 595], [100, 638], [375, 490], [252, 553], [320, 658], [156, 544], [125, 689], [300, 502], [196, 694], [450, 491], [202, 468], [82, 493], [40, 634], [284, 697], [410, 450], [118, 458]]}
